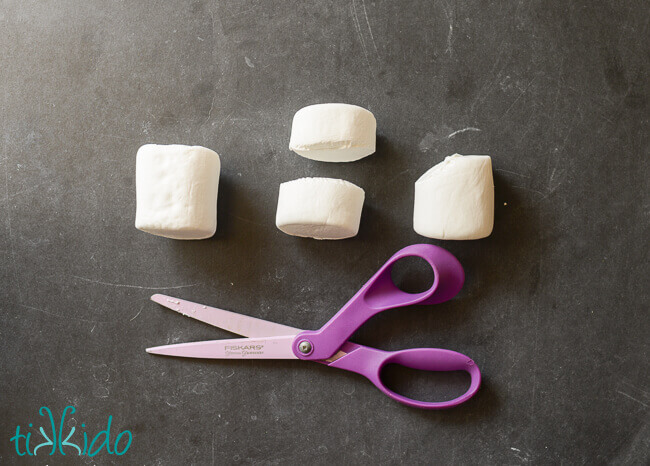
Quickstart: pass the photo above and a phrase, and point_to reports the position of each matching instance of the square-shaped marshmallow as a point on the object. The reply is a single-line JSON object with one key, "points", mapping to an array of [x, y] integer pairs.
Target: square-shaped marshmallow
{"points": [[176, 190], [321, 208], [333, 132], [455, 199]]}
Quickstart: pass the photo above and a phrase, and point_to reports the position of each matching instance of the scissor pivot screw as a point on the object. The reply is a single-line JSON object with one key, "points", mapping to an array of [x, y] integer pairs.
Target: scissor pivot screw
{"points": [[304, 347]]}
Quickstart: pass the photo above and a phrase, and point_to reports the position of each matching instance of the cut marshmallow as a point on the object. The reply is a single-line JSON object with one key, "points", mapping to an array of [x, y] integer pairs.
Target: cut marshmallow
{"points": [[176, 190], [321, 208], [333, 132], [455, 199]]}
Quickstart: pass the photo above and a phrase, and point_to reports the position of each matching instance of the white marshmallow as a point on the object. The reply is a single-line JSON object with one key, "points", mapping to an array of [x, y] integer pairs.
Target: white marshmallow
{"points": [[176, 190], [455, 199], [321, 208], [333, 132]]}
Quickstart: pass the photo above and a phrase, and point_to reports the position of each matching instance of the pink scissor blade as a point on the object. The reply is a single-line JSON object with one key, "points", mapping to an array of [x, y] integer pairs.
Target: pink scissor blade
{"points": [[240, 348], [231, 321]]}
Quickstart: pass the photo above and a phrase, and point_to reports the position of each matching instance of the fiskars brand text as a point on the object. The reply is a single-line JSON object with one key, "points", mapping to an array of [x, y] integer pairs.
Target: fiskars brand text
{"points": [[244, 348]]}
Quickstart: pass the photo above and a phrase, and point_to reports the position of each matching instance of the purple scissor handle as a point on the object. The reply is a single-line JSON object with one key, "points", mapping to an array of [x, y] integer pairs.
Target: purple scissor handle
{"points": [[330, 343], [370, 362]]}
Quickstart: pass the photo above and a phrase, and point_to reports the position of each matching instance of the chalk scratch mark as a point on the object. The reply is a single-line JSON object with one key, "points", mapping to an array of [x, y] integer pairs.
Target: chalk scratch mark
{"points": [[512, 173], [531, 190], [632, 398], [114, 136], [450, 19], [487, 86], [224, 121], [245, 220], [243, 102], [398, 175], [40, 369], [552, 187], [239, 13], [212, 448], [123, 285], [556, 158], [135, 316], [212, 21], [365, 453], [209, 117], [9, 228], [357, 25], [26, 191], [645, 394], [372, 37], [464, 130], [518, 97], [521, 455], [430, 138], [43, 311], [351, 392]]}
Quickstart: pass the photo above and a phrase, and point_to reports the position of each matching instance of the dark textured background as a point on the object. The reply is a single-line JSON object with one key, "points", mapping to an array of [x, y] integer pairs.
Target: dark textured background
{"points": [[555, 306]]}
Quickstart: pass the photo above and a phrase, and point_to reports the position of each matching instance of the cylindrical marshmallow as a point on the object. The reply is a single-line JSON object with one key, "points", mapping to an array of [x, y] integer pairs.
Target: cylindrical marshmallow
{"points": [[333, 132], [176, 190], [455, 199], [321, 208]]}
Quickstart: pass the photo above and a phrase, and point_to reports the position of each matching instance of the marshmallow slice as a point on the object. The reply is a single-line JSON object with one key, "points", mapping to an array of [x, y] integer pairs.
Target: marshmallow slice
{"points": [[176, 191], [455, 199], [321, 208], [333, 132]]}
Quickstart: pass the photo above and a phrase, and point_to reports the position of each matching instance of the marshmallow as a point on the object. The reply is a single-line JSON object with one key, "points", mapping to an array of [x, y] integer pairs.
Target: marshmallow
{"points": [[321, 208], [176, 190], [333, 132], [455, 199]]}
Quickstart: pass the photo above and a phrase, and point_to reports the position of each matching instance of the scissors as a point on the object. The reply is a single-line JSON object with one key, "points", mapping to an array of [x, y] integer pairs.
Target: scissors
{"points": [[329, 345]]}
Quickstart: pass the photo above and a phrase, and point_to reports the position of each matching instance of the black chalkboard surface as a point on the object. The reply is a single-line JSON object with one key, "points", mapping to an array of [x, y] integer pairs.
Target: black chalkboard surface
{"points": [[555, 306]]}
